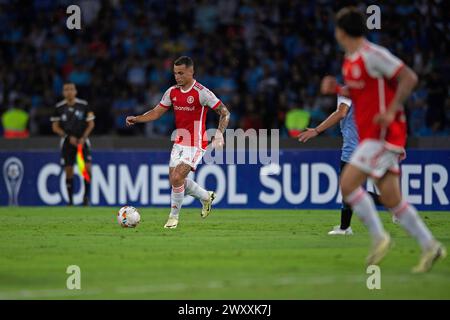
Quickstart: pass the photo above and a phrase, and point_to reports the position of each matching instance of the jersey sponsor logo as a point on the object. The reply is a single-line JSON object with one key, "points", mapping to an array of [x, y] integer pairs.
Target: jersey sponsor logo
{"points": [[178, 108], [355, 84], [190, 99]]}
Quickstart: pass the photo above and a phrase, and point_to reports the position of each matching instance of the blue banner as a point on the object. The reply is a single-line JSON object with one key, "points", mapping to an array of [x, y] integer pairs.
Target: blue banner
{"points": [[304, 179]]}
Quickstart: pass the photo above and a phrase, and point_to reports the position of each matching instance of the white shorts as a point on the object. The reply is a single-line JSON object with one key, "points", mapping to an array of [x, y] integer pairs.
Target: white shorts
{"points": [[186, 154], [375, 158]]}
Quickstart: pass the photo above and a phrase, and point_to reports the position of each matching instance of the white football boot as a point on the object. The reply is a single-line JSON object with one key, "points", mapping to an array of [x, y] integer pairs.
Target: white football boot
{"points": [[343, 232], [429, 257], [171, 223], [207, 205], [379, 249]]}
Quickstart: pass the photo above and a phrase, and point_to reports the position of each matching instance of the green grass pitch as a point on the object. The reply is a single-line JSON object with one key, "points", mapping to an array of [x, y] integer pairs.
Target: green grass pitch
{"points": [[233, 254]]}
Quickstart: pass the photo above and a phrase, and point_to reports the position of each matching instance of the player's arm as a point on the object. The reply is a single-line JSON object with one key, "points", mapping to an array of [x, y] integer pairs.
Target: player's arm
{"points": [[150, 115], [329, 85], [90, 126], [56, 128], [332, 119], [407, 80], [224, 114]]}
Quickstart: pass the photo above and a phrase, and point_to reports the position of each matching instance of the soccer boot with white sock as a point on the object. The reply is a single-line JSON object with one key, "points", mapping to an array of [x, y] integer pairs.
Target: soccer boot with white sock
{"points": [[379, 249], [338, 231], [171, 223], [429, 257], [207, 205]]}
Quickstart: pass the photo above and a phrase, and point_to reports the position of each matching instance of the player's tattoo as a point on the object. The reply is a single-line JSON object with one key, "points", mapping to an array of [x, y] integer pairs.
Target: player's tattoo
{"points": [[222, 110]]}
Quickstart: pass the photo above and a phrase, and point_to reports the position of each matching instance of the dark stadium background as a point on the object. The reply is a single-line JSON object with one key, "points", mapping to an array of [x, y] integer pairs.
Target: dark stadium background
{"points": [[262, 58]]}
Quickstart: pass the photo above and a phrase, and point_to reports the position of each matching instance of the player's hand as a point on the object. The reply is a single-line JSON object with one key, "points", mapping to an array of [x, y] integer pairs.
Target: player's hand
{"points": [[328, 85], [307, 134], [73, 141], [131, 120], [218, 141], [81, 141], [384, 119]]}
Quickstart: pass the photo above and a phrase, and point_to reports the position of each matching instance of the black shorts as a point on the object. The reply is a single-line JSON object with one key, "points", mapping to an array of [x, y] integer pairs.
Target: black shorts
{"points": [[69, 153]]}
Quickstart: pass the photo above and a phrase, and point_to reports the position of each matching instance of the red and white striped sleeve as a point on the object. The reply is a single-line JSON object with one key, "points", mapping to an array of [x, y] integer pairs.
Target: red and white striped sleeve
{"points": [[209, 99], [380, 62], [166, 102]]}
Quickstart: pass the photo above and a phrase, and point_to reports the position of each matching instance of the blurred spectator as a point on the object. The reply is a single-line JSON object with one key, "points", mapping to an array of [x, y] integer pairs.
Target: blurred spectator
{"points": [[251, 119], [121, 108], [296, 121], [15, 122], [261, 55], [435, 114]]}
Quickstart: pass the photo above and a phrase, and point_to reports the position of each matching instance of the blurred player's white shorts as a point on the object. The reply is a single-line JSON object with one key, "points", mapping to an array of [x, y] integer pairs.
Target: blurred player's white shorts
{"points": [[186, 154], [376, 157]]}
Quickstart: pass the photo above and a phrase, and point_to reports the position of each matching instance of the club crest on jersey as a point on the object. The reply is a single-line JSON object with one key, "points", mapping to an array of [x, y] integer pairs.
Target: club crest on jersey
{"points": [[190, 99]]}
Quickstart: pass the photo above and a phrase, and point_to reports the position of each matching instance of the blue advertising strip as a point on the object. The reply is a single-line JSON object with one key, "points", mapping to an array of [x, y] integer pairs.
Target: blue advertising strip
{"points": [[303, 179]]}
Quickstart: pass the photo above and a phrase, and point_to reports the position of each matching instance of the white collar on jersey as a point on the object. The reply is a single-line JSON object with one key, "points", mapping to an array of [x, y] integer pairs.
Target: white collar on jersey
{"points": [[355, 55], [190, 88]]}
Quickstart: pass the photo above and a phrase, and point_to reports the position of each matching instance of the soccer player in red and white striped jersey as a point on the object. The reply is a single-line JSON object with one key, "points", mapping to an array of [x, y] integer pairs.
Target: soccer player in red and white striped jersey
{"points": [[378, 84], [190, 102]]}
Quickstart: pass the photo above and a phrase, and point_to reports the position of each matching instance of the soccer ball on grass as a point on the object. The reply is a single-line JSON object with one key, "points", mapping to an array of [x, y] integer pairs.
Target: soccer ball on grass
{"points": [[128, 217]]}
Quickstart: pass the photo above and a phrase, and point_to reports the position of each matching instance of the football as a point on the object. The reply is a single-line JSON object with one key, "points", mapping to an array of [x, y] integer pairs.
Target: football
{"points": [[128, 217]]}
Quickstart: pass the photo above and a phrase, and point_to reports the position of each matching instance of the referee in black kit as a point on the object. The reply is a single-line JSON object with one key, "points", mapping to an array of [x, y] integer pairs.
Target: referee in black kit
{"points": [[73, 121]]}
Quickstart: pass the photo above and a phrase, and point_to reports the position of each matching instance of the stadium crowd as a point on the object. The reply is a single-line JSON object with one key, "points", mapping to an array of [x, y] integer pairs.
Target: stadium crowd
{"points": [[262, 58]]}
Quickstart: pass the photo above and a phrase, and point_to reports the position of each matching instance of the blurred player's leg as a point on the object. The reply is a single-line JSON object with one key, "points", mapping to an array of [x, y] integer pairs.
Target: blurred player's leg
{"points": [[411, 221], [363, 205], [346, 215], [347, 212], [359, 199], [376, 198], [69, 183]]}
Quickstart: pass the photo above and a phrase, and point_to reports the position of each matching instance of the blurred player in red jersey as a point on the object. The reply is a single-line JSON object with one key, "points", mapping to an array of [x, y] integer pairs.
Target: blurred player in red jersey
{"points": [[378, 84], [190, 102]]}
